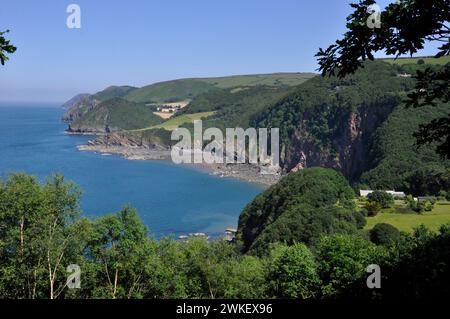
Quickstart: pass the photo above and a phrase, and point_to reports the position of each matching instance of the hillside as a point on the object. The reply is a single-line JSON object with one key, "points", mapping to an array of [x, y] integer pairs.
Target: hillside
{"points": [[415, 60], [83, 103], [357, 125], [114, 91], [182, 89], [113, 115], [301, 207], [207, 94], [75, 100], [273, 79]]}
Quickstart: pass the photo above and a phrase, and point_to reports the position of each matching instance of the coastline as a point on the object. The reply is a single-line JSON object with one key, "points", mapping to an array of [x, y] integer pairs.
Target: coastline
{"points": [[245, 172]]}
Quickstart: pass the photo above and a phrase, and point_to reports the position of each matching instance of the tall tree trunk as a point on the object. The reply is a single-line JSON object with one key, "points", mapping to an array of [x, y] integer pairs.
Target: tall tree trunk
{"points": [[115, 283]]}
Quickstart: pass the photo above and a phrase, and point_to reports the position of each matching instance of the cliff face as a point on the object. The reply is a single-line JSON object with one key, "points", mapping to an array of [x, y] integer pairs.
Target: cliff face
{"points": [[332, 122], [127, 140], [349, 150]]}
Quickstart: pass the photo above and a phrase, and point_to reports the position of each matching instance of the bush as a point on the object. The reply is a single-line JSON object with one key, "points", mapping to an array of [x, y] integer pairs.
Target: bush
{"points": [[425, 206], [384, 234], [373, 208], [442, 195], [384, 199]]}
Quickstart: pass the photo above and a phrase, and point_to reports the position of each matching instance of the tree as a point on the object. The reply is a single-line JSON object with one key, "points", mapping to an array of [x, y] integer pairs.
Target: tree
{"points": [[37, 235], [405, 26], [343, 260], [5, 47], [293, 272], [245, 279], [384, 199], [373, 208], [299, 208], [384, 234], [119, 247]]}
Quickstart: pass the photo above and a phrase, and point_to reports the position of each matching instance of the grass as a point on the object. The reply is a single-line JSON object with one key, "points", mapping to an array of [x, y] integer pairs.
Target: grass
{"points": [[408, 221], [177, 121], [429, 60], [183, 89], [275, 79]]}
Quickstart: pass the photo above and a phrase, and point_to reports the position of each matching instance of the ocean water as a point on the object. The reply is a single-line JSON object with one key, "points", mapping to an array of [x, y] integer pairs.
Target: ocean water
{"points": [[171, 199]]}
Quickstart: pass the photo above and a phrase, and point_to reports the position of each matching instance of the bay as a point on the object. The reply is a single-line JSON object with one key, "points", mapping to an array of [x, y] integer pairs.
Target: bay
{"points": [[171, 199]]}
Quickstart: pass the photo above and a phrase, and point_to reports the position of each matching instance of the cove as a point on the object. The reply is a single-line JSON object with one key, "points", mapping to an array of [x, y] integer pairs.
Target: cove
{"points": [[171, 199]]}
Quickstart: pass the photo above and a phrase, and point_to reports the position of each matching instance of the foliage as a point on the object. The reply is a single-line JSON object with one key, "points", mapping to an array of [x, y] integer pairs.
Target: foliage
{"points": [[5, 47], [41, 233], [299, 208], [405, 27], [372, 208], [384, 199], [293, 270], [38, 236], [115, 114], [384, 234], [343, 260]]}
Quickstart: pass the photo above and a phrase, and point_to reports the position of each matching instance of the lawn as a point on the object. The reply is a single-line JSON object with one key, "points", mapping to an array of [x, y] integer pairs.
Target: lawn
{"points": [[176, 121], [407, 221]]}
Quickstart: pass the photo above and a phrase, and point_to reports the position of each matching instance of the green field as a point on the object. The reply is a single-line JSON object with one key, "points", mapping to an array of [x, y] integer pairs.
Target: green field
{"points": [[429, 60], [407, 221], [177, 121], [182, 89], [274, 79]]}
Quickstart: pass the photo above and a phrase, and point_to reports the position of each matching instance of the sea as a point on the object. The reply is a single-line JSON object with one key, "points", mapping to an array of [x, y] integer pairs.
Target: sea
{"points": [[171, 199]]}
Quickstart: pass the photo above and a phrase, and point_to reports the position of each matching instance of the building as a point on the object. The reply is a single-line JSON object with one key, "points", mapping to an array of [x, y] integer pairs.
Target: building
{"points": [[395, 194]]}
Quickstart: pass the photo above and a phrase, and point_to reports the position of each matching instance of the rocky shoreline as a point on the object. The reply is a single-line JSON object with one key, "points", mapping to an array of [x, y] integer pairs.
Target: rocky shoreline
{"points": [[134, 151]]}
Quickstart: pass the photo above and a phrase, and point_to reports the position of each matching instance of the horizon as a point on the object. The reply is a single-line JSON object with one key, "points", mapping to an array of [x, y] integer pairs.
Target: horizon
{"points": [[54, 63]]}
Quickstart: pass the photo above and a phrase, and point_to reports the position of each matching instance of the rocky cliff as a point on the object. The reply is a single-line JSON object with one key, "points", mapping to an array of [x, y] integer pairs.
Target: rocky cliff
{"points": [[332, 122]]}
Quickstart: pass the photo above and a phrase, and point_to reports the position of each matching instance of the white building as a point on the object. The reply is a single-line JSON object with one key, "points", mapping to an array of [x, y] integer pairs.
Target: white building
{"points": [[395, 194]]}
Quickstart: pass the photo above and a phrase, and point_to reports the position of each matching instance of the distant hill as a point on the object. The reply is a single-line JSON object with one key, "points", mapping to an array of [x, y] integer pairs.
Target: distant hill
{"points": [[170, 91], [357, 125], [114, 115], [114, 91], [183, 89], [272, 79], [75, 100], [415, 60]]}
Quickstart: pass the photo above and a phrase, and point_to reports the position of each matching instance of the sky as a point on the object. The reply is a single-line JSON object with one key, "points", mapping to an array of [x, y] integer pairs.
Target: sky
{"points": [[137, 42]]}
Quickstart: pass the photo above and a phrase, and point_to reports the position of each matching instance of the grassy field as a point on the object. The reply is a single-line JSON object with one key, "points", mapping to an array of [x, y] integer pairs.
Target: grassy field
{"points": [[407, 221], [275, 79], [428, 60], [175, 122], [182, 89]]}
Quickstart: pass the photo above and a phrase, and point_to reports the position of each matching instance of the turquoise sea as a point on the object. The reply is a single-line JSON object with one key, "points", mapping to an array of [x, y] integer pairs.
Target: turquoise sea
{"points": [[171, 199]]}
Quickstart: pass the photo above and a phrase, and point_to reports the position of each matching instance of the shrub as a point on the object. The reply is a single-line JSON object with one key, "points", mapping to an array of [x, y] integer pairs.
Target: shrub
{"points": [[442, 195], [373, 208], [384, 199], [384, 234]]}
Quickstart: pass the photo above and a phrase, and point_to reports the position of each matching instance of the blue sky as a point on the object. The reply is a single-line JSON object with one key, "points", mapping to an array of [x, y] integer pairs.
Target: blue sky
{"points": [[139, 42]]}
